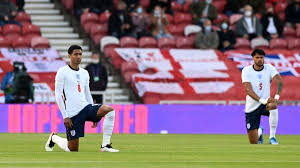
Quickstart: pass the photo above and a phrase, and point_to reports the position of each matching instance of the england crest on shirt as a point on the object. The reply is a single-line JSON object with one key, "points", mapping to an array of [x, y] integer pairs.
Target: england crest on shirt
{"points": [[73, 132]]}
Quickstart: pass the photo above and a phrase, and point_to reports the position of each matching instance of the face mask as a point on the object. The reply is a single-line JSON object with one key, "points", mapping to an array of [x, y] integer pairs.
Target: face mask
{"points": [[95, 61], [224, 26], [208, 1], [139, 10], [208, 28], [248, 13], [157, 13]]}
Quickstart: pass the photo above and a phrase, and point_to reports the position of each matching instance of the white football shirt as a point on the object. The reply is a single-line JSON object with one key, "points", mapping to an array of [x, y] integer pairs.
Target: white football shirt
{"points": [[260, 82], [72, 90]]}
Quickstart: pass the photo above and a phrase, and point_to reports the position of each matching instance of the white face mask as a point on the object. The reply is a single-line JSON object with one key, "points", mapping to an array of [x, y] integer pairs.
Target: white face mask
{"points": [[157, 13], [139, 10], [224, 26], [248, 13], [95, 61], [208, 1]]}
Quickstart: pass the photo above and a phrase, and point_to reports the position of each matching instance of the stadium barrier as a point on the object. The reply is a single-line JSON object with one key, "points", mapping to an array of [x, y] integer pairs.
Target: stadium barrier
{"points": [[144, 119]]}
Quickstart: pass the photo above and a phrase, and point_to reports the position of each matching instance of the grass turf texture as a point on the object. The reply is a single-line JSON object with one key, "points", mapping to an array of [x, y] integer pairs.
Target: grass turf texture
{"points": [[161, 151]]}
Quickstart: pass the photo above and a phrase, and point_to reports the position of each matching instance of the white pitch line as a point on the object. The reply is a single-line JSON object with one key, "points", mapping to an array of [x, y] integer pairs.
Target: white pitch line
{"points": [[200, 161]]}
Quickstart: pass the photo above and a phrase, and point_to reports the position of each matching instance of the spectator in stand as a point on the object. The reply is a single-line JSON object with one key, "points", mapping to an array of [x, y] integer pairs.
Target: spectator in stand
{"points": [[272, 26], [120, 22], [20, 4], [100, 6], [226, 37], [131, 4], [249, 26], [258, 5], [82, 6], [141, 22], [164, 4], [292, 13], [8, 12], [159, 23], [232, 7], [98, 77], [207, 38], [201, 11]]}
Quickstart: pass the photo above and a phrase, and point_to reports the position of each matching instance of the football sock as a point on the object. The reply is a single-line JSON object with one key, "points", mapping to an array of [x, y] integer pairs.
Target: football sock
{"points": [[61, 142], [259, 132], [108, 126], [273, 121]]}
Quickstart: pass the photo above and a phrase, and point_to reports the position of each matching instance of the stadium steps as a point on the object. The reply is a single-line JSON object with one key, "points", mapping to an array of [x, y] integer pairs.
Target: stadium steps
{"points": [[58, 30]]}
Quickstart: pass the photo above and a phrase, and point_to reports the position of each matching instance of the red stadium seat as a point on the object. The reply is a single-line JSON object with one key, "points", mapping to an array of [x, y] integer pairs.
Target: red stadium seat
{"points": [[11, 31], [40, 42], [220, 18], [97, 38], [282, 16], [278, 44], [235, 18], [298, 31], [182, 18], [128, 42], [242, 43], [176, 7], [1, 30], [219, 5], [170, 18], [289, 32], [145, 3], [166, 43], [185, 42], [88, 17], [99, 29], [69, 4], [107, 44], [88, 26], [21, 42], [186, 7], [4, 42], [30, 30], [104, 17], [280, 7], [23, 17], [147, 42], [294, 44], [176, 30]]}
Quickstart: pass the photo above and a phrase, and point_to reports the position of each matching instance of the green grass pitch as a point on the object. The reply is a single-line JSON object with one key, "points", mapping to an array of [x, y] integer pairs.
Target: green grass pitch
{"points": [[153, 150]]}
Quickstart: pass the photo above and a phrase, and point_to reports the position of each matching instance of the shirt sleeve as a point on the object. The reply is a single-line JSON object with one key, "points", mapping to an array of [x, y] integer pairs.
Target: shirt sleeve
{"points": [[245, 76], [59, 87], [273, 71], [88, 95]]}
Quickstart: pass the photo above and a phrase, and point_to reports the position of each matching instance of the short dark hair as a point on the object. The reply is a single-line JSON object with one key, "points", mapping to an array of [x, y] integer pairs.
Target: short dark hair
{"points": [[73, 47], [258, 51]]}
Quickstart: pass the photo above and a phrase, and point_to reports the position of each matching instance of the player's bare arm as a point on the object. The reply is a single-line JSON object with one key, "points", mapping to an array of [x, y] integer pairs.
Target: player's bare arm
{"points": [[279, 82], [249, 91]]}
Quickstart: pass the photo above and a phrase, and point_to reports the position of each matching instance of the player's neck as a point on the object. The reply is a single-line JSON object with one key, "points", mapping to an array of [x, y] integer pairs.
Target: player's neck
{"points": [[258, 68], [75, 67]]}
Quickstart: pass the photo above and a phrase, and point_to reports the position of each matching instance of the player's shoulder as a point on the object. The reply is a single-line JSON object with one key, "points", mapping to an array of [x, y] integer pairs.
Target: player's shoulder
{"points": [[62, 69], [247, 68], [269, 66], [84, 70]]}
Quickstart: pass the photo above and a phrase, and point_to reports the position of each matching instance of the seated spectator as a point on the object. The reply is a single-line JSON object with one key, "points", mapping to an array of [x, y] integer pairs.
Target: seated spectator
{"points": [[131, 4], [8, 12], [100, 6], [232, 7], [141, 22], [120, 23], [226, 37], [201, 11], [164, 4], [98, 77], [258, 5], [292, 13], [272, 26], [249, 26], [159, 23], [82, 6], [20, 4], [208, 38]]}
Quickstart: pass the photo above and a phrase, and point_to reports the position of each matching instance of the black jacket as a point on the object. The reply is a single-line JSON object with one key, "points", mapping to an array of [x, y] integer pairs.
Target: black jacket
{"points": [[115, 23], [82, 4], [102, 5], [292, 14], [97, 70], [265, 23], [228, 36]]}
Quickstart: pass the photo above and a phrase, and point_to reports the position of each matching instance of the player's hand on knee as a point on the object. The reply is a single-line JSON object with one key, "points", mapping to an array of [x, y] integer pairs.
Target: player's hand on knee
{"points": [[68, 122], [263, 101], [271, 106], [95, 124]]}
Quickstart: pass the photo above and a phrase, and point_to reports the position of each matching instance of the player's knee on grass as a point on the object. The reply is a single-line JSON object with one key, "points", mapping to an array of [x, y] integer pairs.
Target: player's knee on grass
{"points": [[73, 145]]}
